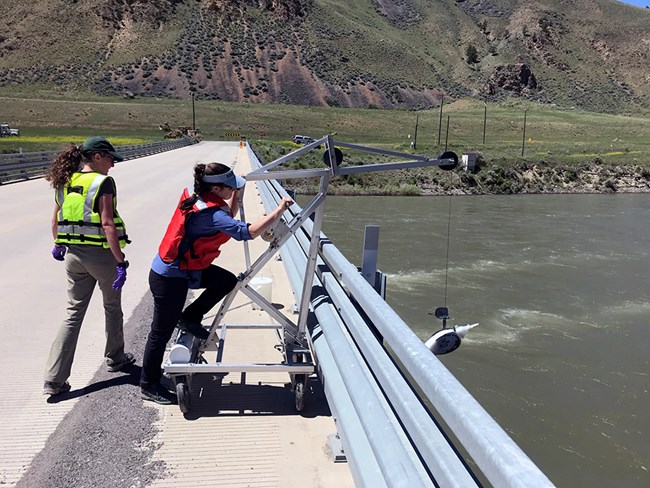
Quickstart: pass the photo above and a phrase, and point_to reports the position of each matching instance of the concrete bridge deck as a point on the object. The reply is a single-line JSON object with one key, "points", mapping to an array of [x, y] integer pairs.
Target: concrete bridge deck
{"points": [[245, 433]]}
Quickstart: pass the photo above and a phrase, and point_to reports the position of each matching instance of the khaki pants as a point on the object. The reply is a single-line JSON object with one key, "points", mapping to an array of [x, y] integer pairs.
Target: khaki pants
{"points": [[87, 266]]}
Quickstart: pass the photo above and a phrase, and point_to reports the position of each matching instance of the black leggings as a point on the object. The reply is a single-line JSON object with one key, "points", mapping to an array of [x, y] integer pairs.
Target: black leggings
{"points": [[169, 296]]}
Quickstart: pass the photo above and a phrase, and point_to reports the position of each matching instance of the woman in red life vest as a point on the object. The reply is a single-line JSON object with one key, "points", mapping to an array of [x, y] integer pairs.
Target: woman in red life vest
{"points": [[202, 222]]}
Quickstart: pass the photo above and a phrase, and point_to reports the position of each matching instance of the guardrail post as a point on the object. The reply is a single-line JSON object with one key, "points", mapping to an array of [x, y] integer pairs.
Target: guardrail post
{"points": [[370, 252]]}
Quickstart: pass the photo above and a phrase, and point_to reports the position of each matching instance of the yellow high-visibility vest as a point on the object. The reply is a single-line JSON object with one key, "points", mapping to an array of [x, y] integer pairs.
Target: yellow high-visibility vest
{"points": [[77, 220]]}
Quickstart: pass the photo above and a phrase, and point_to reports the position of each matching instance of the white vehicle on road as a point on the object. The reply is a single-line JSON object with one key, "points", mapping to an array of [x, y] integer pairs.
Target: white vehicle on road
{"points": [[5, 130], [298, 139]]}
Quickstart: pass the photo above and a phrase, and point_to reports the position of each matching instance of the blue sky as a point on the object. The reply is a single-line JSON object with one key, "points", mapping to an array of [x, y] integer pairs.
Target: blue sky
{"points": [[638, 3]]}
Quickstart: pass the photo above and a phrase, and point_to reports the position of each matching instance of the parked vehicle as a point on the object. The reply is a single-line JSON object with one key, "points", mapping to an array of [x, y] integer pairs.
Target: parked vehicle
{"points": [[298, 139], [5, 130]]}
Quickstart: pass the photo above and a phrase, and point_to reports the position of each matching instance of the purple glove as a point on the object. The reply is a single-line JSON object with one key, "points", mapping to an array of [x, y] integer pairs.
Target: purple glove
{"points": [[121, 278], [58, 252]]}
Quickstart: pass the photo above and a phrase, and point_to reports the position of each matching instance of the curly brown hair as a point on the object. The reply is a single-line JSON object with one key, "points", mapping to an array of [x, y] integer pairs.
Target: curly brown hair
{"points": [[66, 163], [200, 186]]}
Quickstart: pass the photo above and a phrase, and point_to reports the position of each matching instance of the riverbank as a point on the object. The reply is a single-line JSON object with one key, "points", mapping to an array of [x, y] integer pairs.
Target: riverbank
{"points": [[503, 177], [515, 178]]}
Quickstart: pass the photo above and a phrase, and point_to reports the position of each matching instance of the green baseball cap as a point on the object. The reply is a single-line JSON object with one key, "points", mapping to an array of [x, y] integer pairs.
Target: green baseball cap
{"points": [[99, 144]]}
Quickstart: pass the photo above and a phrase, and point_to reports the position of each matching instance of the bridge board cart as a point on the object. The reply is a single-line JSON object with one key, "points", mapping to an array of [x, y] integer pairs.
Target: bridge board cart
{"points": [[188, 356]]}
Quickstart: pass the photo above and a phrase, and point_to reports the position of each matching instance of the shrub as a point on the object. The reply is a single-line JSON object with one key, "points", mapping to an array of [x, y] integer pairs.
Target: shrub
{"points": [[611, 184], [409, 190], [471, 54]]}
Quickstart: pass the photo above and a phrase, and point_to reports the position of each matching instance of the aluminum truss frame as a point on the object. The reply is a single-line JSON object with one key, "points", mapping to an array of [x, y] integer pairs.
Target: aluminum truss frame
{"points": [[295, 347]]}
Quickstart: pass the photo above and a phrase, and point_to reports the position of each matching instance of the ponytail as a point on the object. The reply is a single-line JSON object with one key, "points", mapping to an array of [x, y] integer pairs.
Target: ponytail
{"points": [[66, 163], [200, 186]]}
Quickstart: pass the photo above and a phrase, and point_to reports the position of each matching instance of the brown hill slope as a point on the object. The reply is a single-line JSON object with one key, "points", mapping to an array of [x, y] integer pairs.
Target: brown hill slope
{"points": [[385, 53]]}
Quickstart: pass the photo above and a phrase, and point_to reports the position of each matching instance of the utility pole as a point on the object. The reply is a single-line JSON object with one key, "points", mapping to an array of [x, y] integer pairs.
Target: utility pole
{"points": [[442, 102], [523, 140], [415, 136], [447, 134], [484, 121], [193, 114]]}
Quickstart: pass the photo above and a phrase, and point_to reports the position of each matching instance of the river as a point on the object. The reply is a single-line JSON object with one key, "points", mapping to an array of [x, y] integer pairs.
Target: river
{"points": [[559, 286]]}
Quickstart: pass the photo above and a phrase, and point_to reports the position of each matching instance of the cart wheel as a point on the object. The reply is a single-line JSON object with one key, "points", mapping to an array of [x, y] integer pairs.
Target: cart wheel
{"points": [[299, 392], [184, 396]]}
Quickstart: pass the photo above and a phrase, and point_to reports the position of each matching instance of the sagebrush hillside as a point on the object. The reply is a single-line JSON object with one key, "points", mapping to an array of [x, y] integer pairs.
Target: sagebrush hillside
{"points": [[592, 54]]}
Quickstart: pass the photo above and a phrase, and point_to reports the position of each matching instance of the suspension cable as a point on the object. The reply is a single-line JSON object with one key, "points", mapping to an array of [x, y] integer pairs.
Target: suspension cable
{"points": [[448, 240]]}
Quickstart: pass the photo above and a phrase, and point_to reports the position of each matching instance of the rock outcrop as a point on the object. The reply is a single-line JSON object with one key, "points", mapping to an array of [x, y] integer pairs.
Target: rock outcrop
{"points": [[516, 78]]}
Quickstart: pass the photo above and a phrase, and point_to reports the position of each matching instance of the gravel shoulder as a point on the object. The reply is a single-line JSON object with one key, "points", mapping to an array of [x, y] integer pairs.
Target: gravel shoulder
{"points": [[106, 440]]}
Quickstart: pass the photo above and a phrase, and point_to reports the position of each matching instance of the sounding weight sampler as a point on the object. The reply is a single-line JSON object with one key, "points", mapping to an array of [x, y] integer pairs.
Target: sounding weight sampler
{"points": [[188, 356]]}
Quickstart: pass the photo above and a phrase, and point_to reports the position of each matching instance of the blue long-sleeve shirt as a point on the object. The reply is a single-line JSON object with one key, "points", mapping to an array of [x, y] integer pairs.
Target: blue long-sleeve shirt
{"points": [[201, 224]]}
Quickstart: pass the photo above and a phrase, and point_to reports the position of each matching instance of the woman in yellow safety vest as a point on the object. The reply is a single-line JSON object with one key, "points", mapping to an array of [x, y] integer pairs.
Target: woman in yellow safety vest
{"points": [[87, 225]]}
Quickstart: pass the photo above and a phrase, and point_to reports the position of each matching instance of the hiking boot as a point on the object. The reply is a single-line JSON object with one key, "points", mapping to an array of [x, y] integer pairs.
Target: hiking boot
{"points": [[126, 360], [53, 388], [158, 394], [196, 329]]}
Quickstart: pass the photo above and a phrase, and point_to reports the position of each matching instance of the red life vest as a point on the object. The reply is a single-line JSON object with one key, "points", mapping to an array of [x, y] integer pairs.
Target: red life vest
{"points": [[202, 251]]}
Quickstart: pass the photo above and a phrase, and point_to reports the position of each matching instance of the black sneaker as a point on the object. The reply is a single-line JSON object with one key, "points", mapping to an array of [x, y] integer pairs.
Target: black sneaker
{"points": [[53, 388], [197, 330], [126, 360], [158, 394]]}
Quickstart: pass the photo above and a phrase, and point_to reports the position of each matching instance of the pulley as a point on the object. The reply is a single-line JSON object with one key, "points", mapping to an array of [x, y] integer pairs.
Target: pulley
{"points": [[338, 157], [453, 160]]}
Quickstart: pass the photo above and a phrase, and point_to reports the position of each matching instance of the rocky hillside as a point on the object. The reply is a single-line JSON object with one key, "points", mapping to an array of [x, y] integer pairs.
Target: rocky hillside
{"points": [[591, 54]]}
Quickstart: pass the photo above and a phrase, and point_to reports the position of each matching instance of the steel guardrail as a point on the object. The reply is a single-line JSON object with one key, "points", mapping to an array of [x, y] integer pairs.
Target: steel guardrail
{"points": [[346, 293], [24, 166]]}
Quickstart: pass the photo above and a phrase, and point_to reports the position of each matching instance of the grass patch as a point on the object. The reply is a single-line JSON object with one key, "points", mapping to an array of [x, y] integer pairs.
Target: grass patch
{"points": [[34, 140], [552, 135]]}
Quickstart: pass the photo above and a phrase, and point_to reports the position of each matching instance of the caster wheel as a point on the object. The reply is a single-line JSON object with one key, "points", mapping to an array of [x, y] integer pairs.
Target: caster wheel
{"points": [[184, 396], [299, 394]]}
